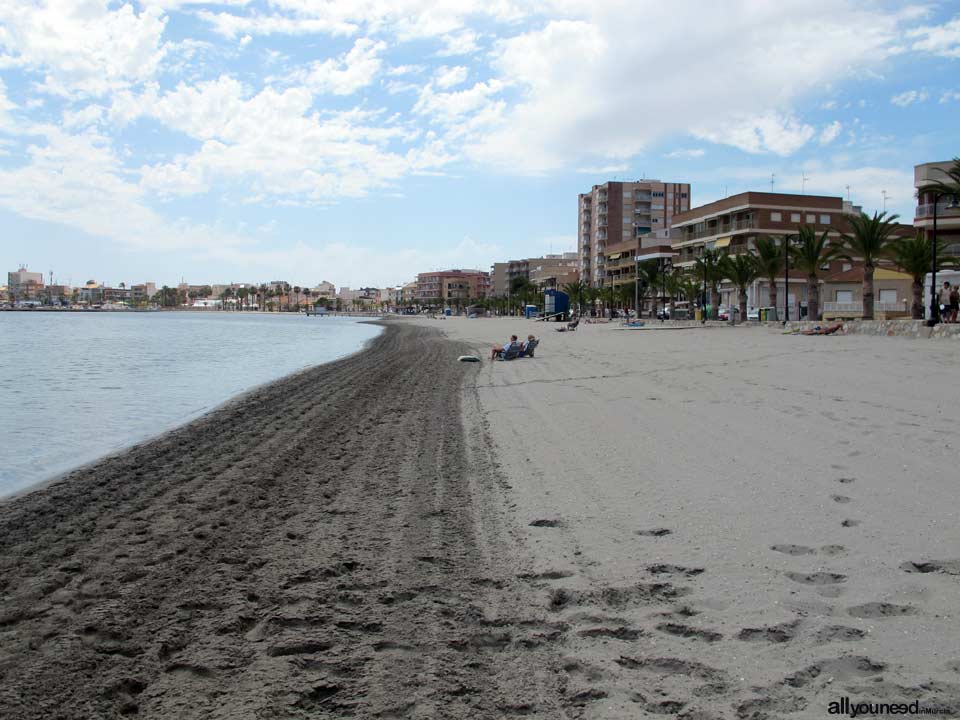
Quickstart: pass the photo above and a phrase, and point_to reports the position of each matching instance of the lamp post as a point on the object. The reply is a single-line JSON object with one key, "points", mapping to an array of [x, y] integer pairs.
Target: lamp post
{"points": [[786, 277], [663, 288], [636, 288], [703, 295], [934, 305]]}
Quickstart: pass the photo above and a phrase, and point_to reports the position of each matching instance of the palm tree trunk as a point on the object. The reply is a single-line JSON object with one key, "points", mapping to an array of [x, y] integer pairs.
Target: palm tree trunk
{"points": [[714, 303], [868, 292], [743, 304], [813, 298], [772, 299], [917, 308]]}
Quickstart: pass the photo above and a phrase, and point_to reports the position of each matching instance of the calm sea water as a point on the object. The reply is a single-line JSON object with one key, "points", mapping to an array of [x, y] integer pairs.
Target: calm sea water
{"points": [[75, 386]]}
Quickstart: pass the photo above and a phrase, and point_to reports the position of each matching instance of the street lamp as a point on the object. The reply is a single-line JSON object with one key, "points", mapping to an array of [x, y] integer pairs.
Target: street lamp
{"points": [[703, 295], [663, 288], [786, 276], [934, 305]]}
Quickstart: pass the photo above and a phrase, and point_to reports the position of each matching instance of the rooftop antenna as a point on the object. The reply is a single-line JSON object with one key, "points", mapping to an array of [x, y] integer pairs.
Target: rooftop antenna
{"points": [[803, 183], [726, 191], [884, 192], [772, 179], [848, 193]]}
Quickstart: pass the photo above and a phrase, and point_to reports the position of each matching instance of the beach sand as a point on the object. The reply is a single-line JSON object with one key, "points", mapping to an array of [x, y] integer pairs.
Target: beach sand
{"points": [[734, 523], [706, 523]]}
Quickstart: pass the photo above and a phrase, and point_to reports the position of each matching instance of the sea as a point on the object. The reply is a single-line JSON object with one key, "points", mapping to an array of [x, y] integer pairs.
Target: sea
{"points": [[75, 386]]}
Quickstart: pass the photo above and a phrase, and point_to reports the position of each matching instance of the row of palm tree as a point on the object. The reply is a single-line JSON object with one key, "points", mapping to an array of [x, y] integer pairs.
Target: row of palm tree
{"points": [[872, 241]]}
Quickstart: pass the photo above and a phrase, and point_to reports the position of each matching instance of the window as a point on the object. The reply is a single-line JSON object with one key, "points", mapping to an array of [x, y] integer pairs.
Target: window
{"points": [[824, 219], [888, 296], [811, 219], [825, 266], [776, 217], [844, 296], [795, 217], [683, 195], [845, 267]]}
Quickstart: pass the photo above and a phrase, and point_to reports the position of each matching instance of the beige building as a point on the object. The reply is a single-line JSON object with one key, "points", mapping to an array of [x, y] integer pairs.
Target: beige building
{"points": [[24, 285], [552, 270], [324, 290], [841, 294], [452, 287], [620, 218], [948, 218]]}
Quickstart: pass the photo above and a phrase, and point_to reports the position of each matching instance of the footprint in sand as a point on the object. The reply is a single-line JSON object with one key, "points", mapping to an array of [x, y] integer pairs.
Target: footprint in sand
{"points": [[654, 532], [880, 610], [845, 480], [686, 631], [840, 633], [665, 569], [850, 523], [793, 549], [842, 499], [817, 578], [947, 567], [784, 632], [545, 522], [833, 549]]}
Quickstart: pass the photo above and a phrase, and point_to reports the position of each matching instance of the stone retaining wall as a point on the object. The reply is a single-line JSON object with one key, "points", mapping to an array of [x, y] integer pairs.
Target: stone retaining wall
{"points": [[891, 328]]}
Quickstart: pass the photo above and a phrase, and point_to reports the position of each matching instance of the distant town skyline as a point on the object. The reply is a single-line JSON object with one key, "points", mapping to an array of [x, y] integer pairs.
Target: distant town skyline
{"points": [[363, 143]]}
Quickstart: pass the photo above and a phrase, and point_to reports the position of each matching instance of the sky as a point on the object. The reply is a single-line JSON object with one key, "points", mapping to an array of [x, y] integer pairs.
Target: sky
{"points": [[361, 142]]}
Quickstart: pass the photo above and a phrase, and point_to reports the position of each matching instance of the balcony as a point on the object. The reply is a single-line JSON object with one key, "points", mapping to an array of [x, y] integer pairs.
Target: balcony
{"points": [[943, 211], [720, 229]]}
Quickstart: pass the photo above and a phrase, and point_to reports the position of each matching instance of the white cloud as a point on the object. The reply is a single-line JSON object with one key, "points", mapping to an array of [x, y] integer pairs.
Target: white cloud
{"points": [[6, 105], [585, 86], [83, 48], [938, 39], [830, 132], [949, 96], [451, 107], [690, 153], [348, 73], [79, 181], [909, 97], [448, 77], [769, 132]]}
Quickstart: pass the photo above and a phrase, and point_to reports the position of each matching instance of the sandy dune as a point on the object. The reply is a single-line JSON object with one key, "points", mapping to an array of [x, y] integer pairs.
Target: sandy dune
{"points": [[735, 523]]}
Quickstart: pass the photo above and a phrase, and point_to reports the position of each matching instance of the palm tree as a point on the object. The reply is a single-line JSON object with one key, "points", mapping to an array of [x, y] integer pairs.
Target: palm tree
{"points": [[914, 256], [769, 264], [649, 278], [296, 290], [869, 242], [626, 293], [808, 255], [708, 268], [576, 290], [741, 270]]}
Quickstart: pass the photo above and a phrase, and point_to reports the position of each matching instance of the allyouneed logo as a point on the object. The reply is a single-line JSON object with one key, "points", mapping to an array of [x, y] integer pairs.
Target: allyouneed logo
{"points": [[844, 706]]}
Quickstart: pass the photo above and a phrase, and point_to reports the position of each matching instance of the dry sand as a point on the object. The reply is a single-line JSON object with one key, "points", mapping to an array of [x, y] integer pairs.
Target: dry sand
{"points": [[707, 523], [734, 523]]}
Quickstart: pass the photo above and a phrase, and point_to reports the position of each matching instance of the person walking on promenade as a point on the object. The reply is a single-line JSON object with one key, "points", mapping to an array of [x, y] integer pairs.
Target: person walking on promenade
{"points": [[954, 306]]}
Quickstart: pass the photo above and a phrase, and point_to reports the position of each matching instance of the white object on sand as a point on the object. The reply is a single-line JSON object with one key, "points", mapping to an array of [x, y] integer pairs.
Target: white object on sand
{"points": [[468, 358]]}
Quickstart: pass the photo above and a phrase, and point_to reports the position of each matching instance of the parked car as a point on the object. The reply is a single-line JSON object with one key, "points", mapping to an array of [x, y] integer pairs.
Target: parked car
{"points": [[753, 313], [724, 313]]}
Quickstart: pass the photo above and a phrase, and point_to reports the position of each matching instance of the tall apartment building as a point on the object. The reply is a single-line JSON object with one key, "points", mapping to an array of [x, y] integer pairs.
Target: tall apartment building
{"points": [[451, 286], [24, 285], [948, 219], [618, 218]]}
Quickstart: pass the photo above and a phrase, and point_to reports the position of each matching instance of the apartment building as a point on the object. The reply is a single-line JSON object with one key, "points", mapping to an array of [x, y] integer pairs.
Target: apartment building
{"points": [[948, 219], [24, 285], [552, 270], [733, 225], [451, 287], [618, 219]]}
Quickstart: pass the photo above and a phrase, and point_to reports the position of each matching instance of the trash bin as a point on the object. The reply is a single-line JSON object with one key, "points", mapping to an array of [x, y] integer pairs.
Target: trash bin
{"points": [[698, 314]]}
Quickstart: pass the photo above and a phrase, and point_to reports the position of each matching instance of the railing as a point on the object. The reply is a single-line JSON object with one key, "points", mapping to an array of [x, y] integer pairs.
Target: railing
{"points": [[943, 210], [721, 229], [857, 307]]}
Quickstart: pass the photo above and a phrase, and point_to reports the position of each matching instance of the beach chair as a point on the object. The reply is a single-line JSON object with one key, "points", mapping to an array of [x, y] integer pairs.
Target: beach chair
{"points": [[529, 349], [510, 353]]}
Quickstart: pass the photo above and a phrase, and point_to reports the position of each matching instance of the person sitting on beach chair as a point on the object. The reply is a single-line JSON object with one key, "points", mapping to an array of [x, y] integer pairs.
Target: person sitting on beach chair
{"points": [[510, 353], [529, 346], [498, 349], [818, 330], [571, 326]]}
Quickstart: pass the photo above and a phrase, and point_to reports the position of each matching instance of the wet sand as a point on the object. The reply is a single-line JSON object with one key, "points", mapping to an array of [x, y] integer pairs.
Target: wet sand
{"points": [[335, 544]]}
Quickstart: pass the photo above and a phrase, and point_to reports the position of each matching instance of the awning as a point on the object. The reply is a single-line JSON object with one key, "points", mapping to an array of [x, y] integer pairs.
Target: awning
{"points": [[613, 257], [722, 242]]}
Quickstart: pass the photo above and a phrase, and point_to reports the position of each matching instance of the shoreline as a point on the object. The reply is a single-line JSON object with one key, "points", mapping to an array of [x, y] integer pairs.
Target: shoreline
{"points": [[338, 542], [180, 424]]}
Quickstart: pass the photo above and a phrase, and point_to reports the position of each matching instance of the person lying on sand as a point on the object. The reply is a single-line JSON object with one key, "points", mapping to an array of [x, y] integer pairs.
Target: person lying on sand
{"points": [[497, 349], [818, 330]]}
